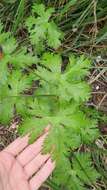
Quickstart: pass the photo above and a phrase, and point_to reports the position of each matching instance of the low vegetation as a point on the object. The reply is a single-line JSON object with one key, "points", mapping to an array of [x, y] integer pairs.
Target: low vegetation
{"points": [[50, 69]]}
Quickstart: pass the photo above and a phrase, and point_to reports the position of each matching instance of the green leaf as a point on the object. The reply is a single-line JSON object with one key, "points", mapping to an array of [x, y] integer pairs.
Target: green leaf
{"points": [[41, 11], [37, 127], [18, 83], [6, 110], [3, 71], [52, 61], [41, 29], [62, 172], [23, 59], [77, 68], [54, 36], [9, 46], [82, 165]]}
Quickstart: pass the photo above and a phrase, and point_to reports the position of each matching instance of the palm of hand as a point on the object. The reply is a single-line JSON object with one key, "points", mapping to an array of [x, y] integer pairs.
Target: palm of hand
{"points": [[12, 173], [19, 162]]}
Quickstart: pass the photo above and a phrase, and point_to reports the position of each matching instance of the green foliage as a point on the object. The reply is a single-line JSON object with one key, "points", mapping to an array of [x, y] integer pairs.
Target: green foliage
{"points": [[57, 99], [79, 172], [19, 15], [13, 81], [42, 29], [57, 102]]}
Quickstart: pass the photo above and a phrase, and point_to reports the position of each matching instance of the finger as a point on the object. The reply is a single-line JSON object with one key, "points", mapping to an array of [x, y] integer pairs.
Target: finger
{"points": [[17, 146], [17, 178], [35, 164], [42, 175], [47, 128], [31, 151]]}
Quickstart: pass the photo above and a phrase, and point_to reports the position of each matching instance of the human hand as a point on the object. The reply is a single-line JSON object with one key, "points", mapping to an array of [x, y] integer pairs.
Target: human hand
{"points": [[22, 166]]}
